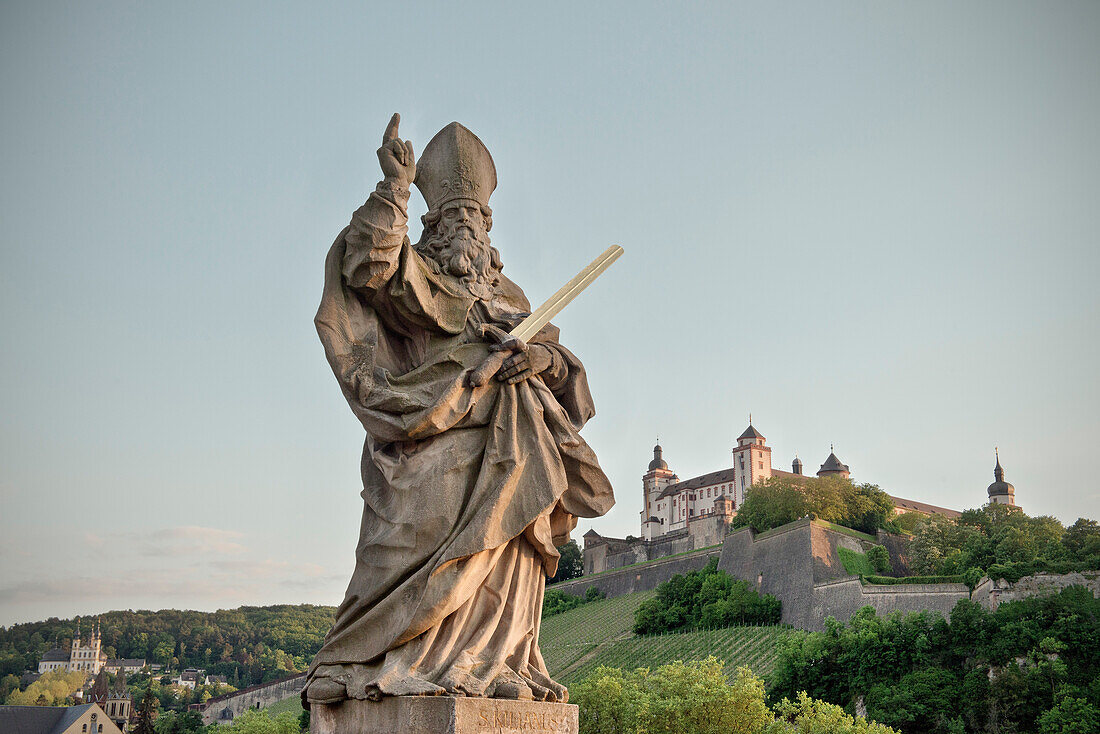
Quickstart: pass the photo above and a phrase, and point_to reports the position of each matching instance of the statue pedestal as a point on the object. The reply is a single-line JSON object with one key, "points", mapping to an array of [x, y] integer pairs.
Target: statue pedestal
{"points": [[442, 715]]}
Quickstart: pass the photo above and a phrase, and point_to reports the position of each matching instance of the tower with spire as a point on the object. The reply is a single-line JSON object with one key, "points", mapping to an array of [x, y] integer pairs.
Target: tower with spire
{"points": [[1000, 492], [752, 462], [833, 467], [657, 477]]}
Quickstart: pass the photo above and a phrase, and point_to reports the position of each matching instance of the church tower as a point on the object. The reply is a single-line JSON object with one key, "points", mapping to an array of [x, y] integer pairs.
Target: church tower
{"points": [[654, 481], [752, 463], [1001, 492]]}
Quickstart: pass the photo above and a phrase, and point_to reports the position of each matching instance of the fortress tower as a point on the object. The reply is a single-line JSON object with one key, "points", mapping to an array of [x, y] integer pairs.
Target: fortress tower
{"points": [[833, 467], [654, 481], [1001, 492], [752, 462]]}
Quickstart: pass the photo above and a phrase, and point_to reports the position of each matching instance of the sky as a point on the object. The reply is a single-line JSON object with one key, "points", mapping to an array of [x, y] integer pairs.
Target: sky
{"points": [[872, 225]]}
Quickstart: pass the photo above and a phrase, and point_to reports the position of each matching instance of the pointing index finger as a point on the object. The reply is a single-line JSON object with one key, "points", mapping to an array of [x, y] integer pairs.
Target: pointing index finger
{"points": [[391, 129]]}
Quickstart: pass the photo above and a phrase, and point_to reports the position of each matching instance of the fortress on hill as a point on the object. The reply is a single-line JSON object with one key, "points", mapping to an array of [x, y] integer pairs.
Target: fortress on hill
{"points": [[679, 516]]}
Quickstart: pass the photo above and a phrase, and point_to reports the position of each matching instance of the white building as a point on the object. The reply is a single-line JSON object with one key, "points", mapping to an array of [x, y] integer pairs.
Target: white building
{"points": [[670, 504], [88, 658]]}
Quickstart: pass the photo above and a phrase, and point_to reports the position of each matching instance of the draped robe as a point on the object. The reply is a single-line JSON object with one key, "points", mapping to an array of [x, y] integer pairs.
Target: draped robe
{"points": [[466, 490]]}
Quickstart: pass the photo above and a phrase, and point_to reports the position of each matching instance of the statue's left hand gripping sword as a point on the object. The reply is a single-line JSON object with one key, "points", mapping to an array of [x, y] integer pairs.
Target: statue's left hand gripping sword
{"points": [[541, 316]]}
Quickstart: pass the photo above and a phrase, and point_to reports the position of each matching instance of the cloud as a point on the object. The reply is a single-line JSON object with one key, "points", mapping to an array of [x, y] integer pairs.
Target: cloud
{"points": [[188, 541], [186, 566]]}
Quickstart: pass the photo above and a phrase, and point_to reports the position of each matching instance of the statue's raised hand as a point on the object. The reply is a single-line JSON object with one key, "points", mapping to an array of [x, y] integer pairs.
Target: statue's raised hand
{"points": [[396, 156]]}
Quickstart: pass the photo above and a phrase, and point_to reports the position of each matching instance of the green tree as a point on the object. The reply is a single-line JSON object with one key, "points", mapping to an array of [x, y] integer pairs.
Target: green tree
{"points": [[255, 721], [1070, 716], [879, 558], [55, 688], [679, 698], [1082, 540], [571, 563], [809, 716], [8, 684], [147, 713]]}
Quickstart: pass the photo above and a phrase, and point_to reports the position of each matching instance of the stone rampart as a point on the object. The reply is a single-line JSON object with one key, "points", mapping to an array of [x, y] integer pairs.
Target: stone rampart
{"points": [[1042, 584], [223, 709], [799, 564], [642, 577], [842, 598]]}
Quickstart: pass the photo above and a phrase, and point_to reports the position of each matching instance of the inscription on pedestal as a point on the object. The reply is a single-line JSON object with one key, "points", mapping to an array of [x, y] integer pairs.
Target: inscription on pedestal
{"points": [[532, 721], [443, 715]]}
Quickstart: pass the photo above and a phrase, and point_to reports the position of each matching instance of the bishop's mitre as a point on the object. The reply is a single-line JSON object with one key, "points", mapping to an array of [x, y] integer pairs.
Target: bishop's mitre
{"points": [[455, 164]]}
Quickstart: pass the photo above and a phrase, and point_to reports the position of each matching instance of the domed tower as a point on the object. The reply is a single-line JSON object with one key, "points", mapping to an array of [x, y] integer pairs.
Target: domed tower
{"points": [[796, 466], [833, 467], [1001, 492], [657, 477]]}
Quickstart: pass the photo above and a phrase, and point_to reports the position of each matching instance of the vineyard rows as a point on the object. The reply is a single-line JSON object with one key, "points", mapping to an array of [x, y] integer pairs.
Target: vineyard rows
{"points": [[751, 647], [574, 643]]}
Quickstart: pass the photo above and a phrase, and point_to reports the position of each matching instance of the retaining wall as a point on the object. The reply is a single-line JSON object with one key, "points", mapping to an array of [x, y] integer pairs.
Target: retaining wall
{"points": [[223, 709], [642, 577]]}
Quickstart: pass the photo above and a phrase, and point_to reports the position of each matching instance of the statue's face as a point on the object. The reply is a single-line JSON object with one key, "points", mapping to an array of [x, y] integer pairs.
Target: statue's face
{"points": [[462, 215], [459, 243]]}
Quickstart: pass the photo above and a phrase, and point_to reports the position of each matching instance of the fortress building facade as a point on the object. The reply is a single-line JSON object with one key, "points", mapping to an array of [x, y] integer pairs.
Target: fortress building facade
{"points": [[682, 515], [670, 504]]}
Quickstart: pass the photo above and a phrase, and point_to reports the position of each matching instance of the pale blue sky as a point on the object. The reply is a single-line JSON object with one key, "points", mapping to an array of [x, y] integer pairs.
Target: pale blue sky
{"points": [[872, 224]]}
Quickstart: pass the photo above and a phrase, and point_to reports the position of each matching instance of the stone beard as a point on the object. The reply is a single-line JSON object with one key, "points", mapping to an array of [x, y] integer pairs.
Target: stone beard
{"points": [[467, 489], [462, 250]]}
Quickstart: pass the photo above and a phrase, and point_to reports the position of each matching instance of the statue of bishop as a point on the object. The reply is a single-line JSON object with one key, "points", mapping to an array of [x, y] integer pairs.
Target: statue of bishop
{"points": [[468, 483]]}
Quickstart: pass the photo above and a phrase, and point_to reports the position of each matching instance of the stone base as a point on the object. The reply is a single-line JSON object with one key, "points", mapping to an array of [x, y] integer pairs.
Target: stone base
{"points": [[442, 715]]}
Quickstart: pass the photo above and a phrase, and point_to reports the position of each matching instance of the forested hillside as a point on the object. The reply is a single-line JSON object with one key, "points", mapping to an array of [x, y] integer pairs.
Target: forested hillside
{"points": [[248, 645]]}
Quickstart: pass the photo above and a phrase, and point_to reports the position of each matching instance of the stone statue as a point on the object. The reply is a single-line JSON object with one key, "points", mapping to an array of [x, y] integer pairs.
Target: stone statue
{"points": [[468, 483]]}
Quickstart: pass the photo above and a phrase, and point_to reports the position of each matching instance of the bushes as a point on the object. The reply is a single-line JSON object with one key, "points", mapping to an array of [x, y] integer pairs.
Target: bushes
{"points": [[856, 564], [556, 602], [887, 580], [704, 599], [1013, 669], [879, 558], [696, 698]]}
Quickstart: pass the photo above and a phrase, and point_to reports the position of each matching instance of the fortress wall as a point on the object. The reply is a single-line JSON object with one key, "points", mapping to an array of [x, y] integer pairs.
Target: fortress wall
{"points": [[595, 559], [823, 544], [844, 597], [618, 582], [1042, 584], [223, 709], [777, 562], [898, 548]]}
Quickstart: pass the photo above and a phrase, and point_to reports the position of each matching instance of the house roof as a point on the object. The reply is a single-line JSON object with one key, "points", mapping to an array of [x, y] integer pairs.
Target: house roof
{"points": [[40, 719], [906, 504], [750, 432], [833, 464], [126, 662], [703, 480], [55, 654]]}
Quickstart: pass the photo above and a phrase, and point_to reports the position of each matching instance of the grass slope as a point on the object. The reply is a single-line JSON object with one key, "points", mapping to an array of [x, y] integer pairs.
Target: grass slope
{"points": [[574, 643], [292, 704], [856, 564]]}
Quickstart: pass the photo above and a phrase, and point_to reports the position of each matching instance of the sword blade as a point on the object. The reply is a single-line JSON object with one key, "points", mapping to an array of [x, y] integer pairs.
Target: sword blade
{"points": [[541, 316]]}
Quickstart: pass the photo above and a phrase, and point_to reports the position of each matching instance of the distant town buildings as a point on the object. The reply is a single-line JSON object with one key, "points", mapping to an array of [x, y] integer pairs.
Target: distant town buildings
{"points": [[88, 718], [192, 677], [114, 699]]}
